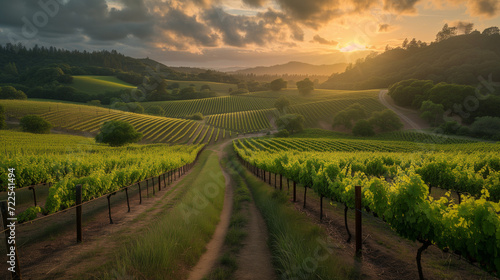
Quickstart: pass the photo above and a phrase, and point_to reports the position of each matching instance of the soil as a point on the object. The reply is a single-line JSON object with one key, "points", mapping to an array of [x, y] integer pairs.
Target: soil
{"points": [[60, 257], [214, 247], [254, 260]]}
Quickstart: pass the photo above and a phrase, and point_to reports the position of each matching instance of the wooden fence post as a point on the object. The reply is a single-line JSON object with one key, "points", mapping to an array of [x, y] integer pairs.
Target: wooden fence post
{"points": [[140, 193], [128, 203], [358, 221], [305, 196], [34, 193], [159, 183], [16, 274], [78, 201], [294, 191], [147, 188], [109, 207]]}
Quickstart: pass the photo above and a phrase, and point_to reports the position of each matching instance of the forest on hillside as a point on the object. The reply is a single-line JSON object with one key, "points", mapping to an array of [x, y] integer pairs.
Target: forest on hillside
{"points": [[452, 58]]}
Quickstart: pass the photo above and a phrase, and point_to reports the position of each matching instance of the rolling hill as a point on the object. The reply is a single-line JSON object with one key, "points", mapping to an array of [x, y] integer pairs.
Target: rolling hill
{"points": [[295, 68], [98, 84]]}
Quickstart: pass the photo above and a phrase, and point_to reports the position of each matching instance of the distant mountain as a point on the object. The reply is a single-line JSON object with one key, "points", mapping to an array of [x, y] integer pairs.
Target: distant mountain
{"points": [[295, 68], [459, 59]]}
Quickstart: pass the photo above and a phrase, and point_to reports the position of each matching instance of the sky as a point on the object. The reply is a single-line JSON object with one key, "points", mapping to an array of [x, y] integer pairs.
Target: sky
{"points": [[237, 33]]}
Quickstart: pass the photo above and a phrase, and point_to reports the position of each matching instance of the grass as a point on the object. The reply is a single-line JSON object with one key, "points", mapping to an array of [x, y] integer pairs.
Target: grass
{"points": [[300, 249], [221, 88], [99, 84], [175, 241], [237, 233]]}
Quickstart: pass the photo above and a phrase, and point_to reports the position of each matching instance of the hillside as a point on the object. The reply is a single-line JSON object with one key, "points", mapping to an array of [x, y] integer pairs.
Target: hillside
{"points": [[459, 59], [98, 84], [295, 68]]}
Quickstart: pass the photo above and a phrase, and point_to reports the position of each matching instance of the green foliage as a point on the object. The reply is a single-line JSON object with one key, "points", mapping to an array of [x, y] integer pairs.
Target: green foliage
{"points": [[278, 84], [386, 121], [487, 127], [352, 113], [2, 117], [291, 122], [8, 92], [410, 92], [196, 116], [281, 103], [432, 113], [282, 133], [450, 127], [35, 124], [155, 110], [239, 91], [363, 128], [305, 86], [118, 133], [465, 61], [29, 214]]}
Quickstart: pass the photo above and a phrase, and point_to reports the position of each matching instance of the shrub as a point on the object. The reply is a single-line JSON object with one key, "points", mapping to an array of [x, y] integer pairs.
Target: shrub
{"points": [[363, 128], [155, 110], [239, 91], [9, 92], [35, 124], [282, 133], [118, 133], [196, 116], [291, 122], [486, 127], [386, 121]]}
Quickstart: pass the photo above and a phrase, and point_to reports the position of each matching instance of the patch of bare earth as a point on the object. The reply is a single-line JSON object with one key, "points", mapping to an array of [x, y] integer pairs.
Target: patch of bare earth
{"points": [[57, 255]]}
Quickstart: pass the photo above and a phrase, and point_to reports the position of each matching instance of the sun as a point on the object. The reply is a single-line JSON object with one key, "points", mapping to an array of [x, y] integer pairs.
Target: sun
{"points": [[352, 47]]}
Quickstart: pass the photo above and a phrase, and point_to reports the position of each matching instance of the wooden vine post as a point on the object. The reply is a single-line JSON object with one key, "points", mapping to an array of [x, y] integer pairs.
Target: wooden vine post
{"points": [[78, 202], [359, 248]]}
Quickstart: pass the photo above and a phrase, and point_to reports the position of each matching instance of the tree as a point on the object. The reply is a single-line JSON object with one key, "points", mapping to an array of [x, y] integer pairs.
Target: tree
{"points": [[486, 127], [2, 117], [282, 133], [305, 86], [155, 110], [432, 112], [346, 117], [118, 133], [386, 121], [35, 124], [9, 92], [291, 122], [281, 103], [446, 33], [207, 87], [491, 31], [278, 84], [363, 128]]}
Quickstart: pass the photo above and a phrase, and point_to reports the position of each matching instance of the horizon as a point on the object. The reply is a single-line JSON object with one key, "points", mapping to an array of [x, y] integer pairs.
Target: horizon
{"points": [[220, 34]]}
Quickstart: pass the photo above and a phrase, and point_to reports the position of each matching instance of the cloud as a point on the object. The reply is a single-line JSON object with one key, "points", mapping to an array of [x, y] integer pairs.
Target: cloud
{"points": [[487, 8], [255, 3], [401, 6], [385, 27], [324, 41], [312, 13], [462, 26]]}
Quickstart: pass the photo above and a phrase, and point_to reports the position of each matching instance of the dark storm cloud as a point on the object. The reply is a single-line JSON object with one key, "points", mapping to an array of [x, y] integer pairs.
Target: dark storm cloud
{"points": [[324, 41], [400, 6], [488, 8], [240, 30], [183, 25], [311, 13]]}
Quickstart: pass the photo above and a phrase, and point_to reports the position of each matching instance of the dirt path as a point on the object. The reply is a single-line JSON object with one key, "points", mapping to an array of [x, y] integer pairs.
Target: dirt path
{"points": [[211, 255], [254, 259], [410, 118]]}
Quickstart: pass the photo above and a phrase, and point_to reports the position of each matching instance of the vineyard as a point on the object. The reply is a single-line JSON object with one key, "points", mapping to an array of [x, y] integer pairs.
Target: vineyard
{"points": [[396, 186], [81, 118], [98, 168]]}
